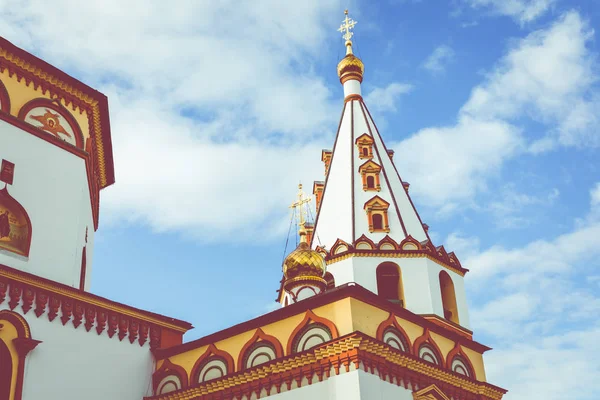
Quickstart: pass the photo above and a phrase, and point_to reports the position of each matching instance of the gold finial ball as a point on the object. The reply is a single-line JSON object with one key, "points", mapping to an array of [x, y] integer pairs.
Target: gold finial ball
{"points": [[351, 67], [304, 262]]}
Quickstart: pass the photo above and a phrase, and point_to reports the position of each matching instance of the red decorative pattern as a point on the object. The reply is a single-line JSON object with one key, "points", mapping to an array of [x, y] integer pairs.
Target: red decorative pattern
{"points": [[28, 296], [75, 307]]}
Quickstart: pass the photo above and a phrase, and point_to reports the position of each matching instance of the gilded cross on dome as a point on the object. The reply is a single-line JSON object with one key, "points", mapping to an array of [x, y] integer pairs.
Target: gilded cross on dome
{"points": [[346, 27], [298, 205]]}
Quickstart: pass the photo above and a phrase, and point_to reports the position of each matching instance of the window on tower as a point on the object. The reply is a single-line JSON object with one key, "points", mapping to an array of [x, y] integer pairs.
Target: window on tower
{"points": [[389, 283], [370, 182], [369, 172], [377, 222], [448, 297], [377, 210], [364, 143]]}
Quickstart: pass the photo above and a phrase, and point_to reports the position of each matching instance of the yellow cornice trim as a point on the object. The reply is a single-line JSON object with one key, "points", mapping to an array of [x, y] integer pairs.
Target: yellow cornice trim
{"points": [[376, 253]]}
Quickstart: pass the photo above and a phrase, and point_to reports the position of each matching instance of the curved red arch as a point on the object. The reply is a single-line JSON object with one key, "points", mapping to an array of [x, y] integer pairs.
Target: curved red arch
{"points": [[392, 322], [259, 335], [457, 351], [308, 318], [168, 368], [427, 339], [11, 200], [212, 351], [54, 105]]}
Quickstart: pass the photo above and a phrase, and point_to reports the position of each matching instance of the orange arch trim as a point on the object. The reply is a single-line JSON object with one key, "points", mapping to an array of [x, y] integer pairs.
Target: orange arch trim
{"points": [[212, 351], [393, 322], [308, 318], [427, 339], [258, 336], [457, 351], [168, 368]]}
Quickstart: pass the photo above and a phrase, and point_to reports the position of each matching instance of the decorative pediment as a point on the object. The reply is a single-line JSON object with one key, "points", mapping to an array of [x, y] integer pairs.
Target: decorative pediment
{"points": [[430, 393], [376, 203], [326, 158], [410, 244], [318, 187], [340, 247], [364, 143], [369, 166], [387, 243], [364, 243], [364, 139], [322, 251]]}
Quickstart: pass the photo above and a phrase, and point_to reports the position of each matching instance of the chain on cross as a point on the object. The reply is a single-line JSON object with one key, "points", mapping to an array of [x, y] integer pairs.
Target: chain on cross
{"points": [[346, 27]]}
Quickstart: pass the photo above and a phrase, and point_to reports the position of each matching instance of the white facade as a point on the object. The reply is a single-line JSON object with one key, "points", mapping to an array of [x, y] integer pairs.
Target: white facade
{"points": [[52, 185], [114, 369], [420, 277], [353, 385]]}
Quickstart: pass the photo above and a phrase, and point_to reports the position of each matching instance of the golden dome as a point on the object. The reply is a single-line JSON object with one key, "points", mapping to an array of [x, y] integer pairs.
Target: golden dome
{"points": [[351, 67], [304, 262]]}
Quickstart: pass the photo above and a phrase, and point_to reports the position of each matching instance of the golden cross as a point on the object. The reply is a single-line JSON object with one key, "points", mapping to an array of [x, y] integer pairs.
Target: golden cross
{"points": [[346, 27], [302, 199]]}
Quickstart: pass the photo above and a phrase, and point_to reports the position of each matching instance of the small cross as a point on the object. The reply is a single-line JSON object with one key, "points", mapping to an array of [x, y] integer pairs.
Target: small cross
{"points": [[346, 27], [302, 199]]}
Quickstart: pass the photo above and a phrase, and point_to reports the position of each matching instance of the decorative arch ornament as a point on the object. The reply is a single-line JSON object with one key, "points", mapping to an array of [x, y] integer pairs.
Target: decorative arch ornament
{"points": [[15, 225], [212, 353], [258, 337], [392, 323], [427, 340], [15, 344], [431, 392], [169, 374], [54, 119], [310, 318], [458, 354], [4, 99]]}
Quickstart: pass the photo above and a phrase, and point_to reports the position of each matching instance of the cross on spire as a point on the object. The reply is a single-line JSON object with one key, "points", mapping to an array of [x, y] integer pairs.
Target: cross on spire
{"points": [[346, 27], [298, 205]]}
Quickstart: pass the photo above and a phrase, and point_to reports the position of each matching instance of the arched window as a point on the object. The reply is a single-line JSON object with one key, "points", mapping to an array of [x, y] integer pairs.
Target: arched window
{"points": [[310, 336], [448, 297], [395, 339], [212, 368], [259, 353], [371, 182], [460, 367], [5, 371], [377, 221], [330, 280], [15, 225], [389, 283]]}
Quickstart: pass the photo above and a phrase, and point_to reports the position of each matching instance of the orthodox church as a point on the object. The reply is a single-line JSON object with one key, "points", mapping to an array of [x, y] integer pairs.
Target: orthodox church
{"points": [[370, 306]]}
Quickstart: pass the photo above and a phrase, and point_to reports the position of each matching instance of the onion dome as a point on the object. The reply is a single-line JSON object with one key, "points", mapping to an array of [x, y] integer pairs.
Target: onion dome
{"points": [[350, 67], [304, 262]]}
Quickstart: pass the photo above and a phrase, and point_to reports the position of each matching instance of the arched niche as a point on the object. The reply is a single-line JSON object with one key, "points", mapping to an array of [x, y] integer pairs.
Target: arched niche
{"points": [[169, 378], [260, 349], [15, 345], [448, 297], [213, 364], [15, 225], [389, 283], [4, 99], [54, 119]]}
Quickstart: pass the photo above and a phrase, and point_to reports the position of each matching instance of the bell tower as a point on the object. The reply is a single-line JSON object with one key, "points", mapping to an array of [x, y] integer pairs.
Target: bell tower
{"points": [[367, 226], [56, 156]]}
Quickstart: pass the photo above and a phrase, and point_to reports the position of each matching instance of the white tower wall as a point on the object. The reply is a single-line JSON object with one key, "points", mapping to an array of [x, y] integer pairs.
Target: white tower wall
{"points": [[52, 185]]}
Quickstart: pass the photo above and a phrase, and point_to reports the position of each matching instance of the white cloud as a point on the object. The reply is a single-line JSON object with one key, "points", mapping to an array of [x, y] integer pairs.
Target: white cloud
{"points": [[535, 306], [210, 120], [547, 77], [385, 99], [438, 60], [510, 209], [523, 11]]}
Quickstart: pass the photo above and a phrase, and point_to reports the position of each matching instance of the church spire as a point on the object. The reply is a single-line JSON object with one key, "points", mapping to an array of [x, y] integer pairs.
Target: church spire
{"points": [[350, 69]]}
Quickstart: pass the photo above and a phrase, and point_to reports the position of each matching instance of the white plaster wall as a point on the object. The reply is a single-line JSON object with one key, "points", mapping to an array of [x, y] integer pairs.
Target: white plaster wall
{"points": [[459, 291], [420, 278], [409, 216], [75, 364], [353, 385], [335, 215], [51, 184], [361, 197], [351, 87]]}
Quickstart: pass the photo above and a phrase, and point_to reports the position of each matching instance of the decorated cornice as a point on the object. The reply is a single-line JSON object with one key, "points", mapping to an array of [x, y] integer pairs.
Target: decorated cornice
{"points": [[387, 247], [53, 299], [72, 92], [353, 351], [349, 290]]}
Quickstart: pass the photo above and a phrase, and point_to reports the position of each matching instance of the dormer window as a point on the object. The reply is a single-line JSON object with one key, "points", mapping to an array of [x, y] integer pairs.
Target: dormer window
{"points": [[318, 187], [377, 214], [364, 143], [370, 176]]}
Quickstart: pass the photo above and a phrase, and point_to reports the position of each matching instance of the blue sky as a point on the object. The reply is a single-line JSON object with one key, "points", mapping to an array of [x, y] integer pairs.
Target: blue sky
{"points": [[218, 110]]}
